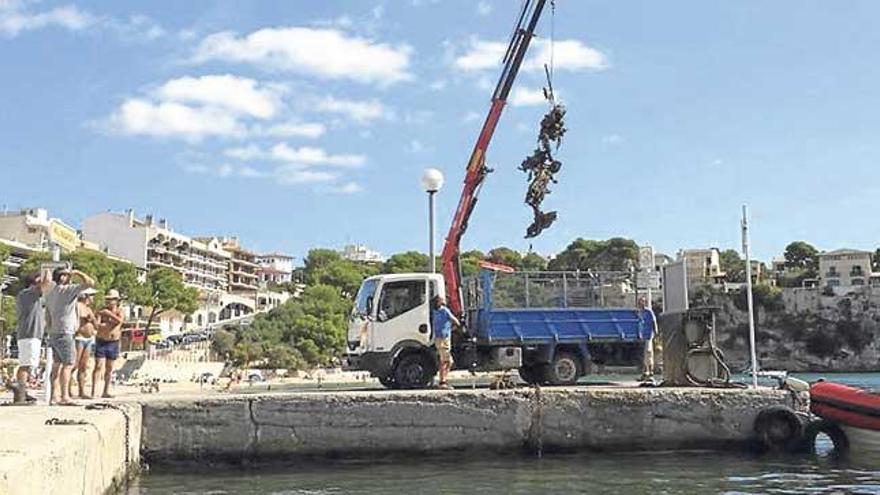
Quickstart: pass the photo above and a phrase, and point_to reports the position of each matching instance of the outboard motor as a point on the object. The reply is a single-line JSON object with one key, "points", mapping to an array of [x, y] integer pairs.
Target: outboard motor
{"points": [[690, 354]]}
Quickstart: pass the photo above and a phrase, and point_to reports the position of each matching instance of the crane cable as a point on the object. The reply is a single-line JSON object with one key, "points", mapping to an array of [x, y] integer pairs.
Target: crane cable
{"points": [[548, 70]]}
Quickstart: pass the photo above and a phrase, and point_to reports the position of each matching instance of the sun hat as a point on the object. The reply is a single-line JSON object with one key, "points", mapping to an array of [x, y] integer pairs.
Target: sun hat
{"points": [[112, 294]]}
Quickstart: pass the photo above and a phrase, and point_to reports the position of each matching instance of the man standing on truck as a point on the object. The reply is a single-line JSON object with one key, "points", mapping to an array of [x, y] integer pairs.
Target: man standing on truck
{"points": [[649, 320], [442, 320]]}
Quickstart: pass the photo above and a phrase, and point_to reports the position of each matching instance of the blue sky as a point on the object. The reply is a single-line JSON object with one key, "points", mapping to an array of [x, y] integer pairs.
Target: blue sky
{"points": [[302, 124]]}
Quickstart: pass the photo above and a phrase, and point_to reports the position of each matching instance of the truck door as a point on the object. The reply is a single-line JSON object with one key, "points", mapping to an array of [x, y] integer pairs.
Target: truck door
{"points": [[402, 314]]}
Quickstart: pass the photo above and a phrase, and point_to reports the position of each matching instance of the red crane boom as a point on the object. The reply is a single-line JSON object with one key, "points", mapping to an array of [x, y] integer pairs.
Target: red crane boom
{"points": [[476, 168]]}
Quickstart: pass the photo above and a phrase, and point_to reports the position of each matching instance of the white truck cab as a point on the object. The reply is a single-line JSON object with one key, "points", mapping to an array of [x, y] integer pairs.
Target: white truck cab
{"points": [[389, 331]]}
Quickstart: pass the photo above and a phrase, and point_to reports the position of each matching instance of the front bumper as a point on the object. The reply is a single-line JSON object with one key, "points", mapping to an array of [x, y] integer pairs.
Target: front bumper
{"points": [[377, 363]]}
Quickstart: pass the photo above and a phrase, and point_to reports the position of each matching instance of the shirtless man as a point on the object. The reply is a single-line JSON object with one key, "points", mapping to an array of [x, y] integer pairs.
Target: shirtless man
{"points": [[84, 338], [107, 341]]}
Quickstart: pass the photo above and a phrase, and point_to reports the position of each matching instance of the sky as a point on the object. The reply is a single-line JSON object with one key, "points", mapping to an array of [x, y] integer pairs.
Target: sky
{"points": [[300, 124]]}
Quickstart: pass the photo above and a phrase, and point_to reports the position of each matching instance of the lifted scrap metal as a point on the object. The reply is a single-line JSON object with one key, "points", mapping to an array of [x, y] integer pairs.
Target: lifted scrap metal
{"points": [[541, 166]]}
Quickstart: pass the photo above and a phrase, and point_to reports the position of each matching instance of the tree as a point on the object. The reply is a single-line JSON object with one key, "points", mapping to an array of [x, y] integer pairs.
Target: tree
{"points": [[408, 262], [615, 254], [163, 291], [505, 256], [4, 255], [533, 262], [800, 255], [327, 267], [470, 262], [309, 331], [223, 342], [108, 273], [733, 266], [875, 261]]}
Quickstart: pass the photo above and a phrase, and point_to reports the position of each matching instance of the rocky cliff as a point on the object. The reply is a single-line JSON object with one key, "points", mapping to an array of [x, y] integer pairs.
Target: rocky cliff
{"points": [[801, 329]]}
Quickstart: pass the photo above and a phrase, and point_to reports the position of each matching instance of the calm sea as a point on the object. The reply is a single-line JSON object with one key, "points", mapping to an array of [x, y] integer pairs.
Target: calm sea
{"points": [[655, 472]]}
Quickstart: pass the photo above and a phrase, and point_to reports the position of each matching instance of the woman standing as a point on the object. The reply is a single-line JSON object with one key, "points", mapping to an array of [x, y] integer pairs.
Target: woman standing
{"points": [[84, 338]]}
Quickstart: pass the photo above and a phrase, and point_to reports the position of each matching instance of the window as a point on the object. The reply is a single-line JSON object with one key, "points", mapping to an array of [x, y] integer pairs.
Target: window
{"points": [[400, 297], [858, 281]]}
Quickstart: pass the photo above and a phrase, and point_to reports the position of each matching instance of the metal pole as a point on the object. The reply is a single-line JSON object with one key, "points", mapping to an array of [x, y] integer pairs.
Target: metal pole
{"points": [[431, 231], [745, 243]]}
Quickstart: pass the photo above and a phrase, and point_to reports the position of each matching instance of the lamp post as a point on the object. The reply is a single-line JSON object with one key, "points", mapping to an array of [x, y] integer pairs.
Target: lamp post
{"points": [[432, 181]]}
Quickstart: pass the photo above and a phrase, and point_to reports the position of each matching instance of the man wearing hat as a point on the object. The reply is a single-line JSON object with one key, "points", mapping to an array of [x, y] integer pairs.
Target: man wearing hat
{"points": [[62, 324], [107, 341]]}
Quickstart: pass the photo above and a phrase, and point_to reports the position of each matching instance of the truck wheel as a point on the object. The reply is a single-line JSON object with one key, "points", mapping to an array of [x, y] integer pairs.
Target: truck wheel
{"points": [[564, 370], [388, 381], [532, 374], [413, 371]]}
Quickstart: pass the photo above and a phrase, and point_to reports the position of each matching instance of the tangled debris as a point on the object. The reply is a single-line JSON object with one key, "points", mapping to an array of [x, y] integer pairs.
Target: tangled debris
{"points": [[542, 167]]}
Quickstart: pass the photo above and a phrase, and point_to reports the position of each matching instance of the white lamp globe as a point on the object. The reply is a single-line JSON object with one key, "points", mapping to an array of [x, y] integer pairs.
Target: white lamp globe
{"points": [[432, 180]]}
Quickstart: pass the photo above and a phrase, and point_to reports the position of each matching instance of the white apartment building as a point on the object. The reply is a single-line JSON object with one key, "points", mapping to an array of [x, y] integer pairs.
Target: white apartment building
{"points": [[276, 268], [149, 244], [32, 227], [361, 254], [844, 269]]}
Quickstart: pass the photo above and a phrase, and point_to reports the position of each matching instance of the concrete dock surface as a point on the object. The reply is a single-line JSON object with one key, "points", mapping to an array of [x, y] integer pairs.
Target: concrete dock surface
{"points": [[36, 457]]}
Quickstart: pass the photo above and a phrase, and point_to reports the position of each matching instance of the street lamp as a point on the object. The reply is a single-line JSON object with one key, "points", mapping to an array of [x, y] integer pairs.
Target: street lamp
{"points": [[432, 181]]}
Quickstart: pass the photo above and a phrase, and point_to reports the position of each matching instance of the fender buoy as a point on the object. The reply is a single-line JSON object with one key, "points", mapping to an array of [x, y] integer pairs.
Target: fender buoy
{"points": [[829, 428], [778, 429]]}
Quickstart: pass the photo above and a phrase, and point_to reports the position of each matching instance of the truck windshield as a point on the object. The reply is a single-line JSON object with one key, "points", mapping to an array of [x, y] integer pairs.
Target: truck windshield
{"points": [[367, 290]]}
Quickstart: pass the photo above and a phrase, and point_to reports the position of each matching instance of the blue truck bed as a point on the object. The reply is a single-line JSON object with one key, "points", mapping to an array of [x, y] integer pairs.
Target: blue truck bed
{"points": [[562, 325], [545, 325]]}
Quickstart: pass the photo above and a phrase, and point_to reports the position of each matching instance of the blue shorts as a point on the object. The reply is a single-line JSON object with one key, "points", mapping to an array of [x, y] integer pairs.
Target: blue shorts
{"points": [[107, 349]]}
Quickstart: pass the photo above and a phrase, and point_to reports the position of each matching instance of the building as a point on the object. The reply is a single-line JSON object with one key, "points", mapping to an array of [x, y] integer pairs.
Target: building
{"points": [[242, 269], [703, 266], [149, 244], [275, 268], [844, 269], [361, 254], [32, 227]]}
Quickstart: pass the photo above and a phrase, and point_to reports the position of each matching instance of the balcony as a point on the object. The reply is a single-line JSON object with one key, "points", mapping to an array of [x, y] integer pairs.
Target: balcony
{"points": [[832, 274]]}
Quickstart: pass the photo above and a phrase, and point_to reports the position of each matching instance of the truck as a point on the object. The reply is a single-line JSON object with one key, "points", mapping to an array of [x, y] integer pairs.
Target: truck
{"points": [[548, 339], [543, 324]]}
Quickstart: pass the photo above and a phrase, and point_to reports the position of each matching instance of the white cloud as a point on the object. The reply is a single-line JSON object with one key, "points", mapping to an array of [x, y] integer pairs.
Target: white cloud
{"points": [[138, 116], [291, 174], [304, 155], [293, 49], [523, 97], [612, 139], [19, 16], [358, 111], [484, 7], [481, 55], [346, 188], [415, 146], [16, 18], [471, 117], [570, 55], [438, 85], [239, 95], [292, 129]]}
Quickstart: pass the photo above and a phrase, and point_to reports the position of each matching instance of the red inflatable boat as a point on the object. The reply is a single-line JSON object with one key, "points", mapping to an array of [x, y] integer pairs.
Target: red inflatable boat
{"points": [[856, 411]]}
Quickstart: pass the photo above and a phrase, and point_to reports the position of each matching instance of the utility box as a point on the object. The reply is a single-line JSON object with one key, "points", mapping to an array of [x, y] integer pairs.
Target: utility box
{"points": [[690, 355], [506, 358]]}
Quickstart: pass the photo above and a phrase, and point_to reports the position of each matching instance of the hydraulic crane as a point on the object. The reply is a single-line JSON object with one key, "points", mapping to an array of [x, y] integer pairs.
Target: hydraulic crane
{"points": [[476, 168]]}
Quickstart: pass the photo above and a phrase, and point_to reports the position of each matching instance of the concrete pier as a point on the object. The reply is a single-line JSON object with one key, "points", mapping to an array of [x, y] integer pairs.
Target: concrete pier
{"points": [[96, 456], [369, 423], [88, 458]]}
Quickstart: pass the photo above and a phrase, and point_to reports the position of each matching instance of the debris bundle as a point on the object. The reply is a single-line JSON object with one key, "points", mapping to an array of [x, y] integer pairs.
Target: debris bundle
{"points": [[542, 167]]}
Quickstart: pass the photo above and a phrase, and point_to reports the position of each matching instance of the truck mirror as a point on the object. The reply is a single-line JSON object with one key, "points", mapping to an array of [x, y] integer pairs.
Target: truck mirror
{"points": [[370, 305]]}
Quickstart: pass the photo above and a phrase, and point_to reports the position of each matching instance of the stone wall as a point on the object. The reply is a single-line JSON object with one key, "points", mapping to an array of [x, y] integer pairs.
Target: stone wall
{"points": [[369, 423]]}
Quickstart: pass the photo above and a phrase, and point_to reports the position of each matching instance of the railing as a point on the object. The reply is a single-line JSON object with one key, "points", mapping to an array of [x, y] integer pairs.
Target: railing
{"points": [[554, 290]]}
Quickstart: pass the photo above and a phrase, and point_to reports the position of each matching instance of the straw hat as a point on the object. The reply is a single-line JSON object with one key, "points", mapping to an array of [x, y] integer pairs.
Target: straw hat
{"points": [[112, 294]]}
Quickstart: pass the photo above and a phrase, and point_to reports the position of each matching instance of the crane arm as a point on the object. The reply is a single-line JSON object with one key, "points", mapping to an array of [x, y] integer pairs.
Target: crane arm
{"points": [[476, 167]]}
